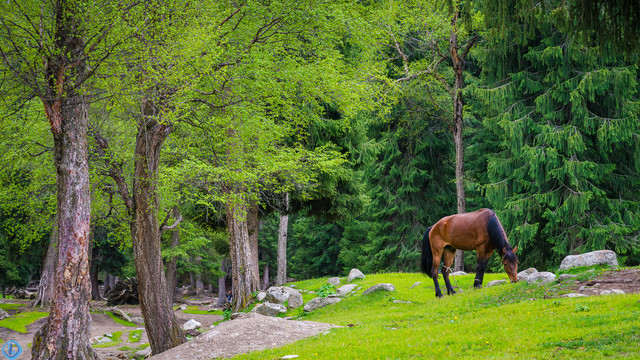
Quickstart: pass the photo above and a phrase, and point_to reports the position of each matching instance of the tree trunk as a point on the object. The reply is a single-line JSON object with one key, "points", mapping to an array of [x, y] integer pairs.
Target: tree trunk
{"points": [[45, 287], [265, 277], [252, 227], [458, 118], [281, 276], [66, 333], [95, 288], [222, 285], [199, 284], [172, 276], [156, 304], [245, 280]]}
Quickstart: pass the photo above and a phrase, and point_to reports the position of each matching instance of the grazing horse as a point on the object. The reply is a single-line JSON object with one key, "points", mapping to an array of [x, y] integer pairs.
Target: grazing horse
{"points": [[479, 230]]}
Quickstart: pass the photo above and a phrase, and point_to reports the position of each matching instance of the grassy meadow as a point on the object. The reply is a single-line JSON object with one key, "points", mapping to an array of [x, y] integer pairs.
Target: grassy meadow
{"points": [[508, 321]]}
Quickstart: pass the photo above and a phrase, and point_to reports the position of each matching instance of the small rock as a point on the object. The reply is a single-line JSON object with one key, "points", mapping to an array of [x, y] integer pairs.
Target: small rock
{"points": [[109, 335], [401, 302], [142, 354], [384, 287], [355, 274], [182, 307], [3, 314], [415, 284], [572, 295], [541, 278], [260, 296], [289, 357], [612, 292], [119, 313], [345, 289], [137, 320], [319, 302], [295, 299], [495, 282], [335, 281], [459, 273], [191, 325], [103, 340], [271, 309]]}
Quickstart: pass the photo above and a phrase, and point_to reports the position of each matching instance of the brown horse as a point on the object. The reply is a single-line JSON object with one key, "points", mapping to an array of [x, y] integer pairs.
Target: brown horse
{"points": [[479, 230]]}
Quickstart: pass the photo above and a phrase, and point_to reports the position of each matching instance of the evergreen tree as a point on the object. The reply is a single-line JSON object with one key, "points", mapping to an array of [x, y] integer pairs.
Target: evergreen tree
{"points": [[564, 176]]}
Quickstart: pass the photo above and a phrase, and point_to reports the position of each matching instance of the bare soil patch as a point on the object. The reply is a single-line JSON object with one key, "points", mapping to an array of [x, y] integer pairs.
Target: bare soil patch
{"points": [[627, 280]]}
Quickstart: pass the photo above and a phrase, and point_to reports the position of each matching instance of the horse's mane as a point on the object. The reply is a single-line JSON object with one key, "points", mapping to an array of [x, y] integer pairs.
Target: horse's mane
{"points": [[498, 237]]}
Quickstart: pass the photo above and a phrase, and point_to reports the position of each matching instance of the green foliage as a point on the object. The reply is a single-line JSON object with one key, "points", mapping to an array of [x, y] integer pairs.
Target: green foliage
{"points": [[19, 321], [326, 290]]}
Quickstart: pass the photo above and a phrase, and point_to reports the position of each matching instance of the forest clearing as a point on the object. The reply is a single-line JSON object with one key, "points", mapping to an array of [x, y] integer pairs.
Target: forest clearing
{"points": [[161, 151]]}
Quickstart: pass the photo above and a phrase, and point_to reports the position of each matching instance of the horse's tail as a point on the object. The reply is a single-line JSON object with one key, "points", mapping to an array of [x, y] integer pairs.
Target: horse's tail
{"points": [[426, 262], [497, 235]]}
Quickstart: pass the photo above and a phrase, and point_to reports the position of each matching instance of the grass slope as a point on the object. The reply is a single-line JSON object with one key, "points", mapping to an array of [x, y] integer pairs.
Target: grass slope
{"points": [[508, 321]]}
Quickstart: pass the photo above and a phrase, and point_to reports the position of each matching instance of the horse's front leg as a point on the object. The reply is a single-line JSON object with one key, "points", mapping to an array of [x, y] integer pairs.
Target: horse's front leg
{"points": [[480, 268]]}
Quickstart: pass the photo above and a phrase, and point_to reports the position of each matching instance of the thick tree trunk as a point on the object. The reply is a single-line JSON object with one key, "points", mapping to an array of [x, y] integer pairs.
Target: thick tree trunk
{"points": [[45, 287], [156, 304], [245, 280], [66, 333], [281, 276]]}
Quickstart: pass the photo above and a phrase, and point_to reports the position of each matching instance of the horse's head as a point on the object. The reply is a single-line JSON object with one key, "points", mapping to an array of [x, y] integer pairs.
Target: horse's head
{"points": [[510, 263]]}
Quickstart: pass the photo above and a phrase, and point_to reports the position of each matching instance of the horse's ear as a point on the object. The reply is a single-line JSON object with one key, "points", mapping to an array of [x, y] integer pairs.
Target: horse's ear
{"points": [[515, 249]]}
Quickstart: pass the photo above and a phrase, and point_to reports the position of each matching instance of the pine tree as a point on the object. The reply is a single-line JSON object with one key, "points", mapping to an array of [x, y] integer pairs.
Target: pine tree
{"points": [[564, 176]]}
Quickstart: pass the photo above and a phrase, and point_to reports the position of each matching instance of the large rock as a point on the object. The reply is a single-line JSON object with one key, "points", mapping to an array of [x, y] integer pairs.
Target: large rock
{"points": [[355, 274], [191, 325], [345, 289], [541, 278], [281, 294], [320, 302], [260, 296], [143, 354], [379, 287], [604, 257], [335, 281], [3, 314], [524, 275], [271, 309]]}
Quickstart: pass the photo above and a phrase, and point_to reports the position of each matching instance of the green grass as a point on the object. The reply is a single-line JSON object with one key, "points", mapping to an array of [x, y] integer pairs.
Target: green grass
{"points": [[120, 321], [6, 307], [195, 310], [115, 340], [508, 321], [134, 336], [19, 321]]}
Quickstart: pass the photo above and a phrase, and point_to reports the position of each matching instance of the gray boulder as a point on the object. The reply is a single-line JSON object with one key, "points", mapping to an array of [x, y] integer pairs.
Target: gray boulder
{"points": [[524, 275], [541, 278], [295, 299], [270, 309], [379, 287], [261, 295], [345, 289], [281, 294], [604, 257], [459, 273], [612, 292], [191, 325], [335, 281], [143, 354], [572, 295], [566, 277], [495, 282], [320, 302], [355, 274], [3, 314]]}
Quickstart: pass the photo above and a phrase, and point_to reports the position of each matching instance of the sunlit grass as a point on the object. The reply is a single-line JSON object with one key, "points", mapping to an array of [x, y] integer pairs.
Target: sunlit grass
{"points": [[20, 321], [508, 321]]}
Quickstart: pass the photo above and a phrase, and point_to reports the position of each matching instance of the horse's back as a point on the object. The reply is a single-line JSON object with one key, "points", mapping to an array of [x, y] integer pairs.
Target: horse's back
{"points": [[463, 231]]}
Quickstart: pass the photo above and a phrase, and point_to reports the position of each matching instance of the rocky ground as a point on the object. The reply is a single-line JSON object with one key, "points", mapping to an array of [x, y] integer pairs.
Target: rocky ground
{"points": [[627, 280]]}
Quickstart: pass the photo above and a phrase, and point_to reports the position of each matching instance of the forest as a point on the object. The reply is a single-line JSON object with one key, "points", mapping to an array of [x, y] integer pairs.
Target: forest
{"points": [[243, 143]]}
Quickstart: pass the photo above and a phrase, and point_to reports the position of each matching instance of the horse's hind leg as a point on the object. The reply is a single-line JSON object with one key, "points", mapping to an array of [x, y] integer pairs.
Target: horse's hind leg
{"points": [[434, 271], [448, 255]]}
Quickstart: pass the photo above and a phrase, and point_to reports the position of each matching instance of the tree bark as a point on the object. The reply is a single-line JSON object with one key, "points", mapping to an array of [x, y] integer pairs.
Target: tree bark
{"points": [[281, 276], [156, 304], [172, 277], [265, 277], [245, 280], [252, 227], [95, 288], [222, 285]]}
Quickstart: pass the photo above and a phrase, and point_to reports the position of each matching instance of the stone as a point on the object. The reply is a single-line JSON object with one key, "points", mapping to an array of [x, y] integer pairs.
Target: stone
{"points": [[103, 340], [335, 281], [600, 257], [355, 274], [295, 299], [524, 275], [415, 284], [142, 354], [191, 325], [572, 295], [541, 278], [379, 287], [320, 302], [495, 282], [137, 320], [612, 292], [3, 314], [401, 302], [459, 273], [345, 289], [119, 313], [565, 277], [182, 307], [281, 294], [260, 296], [271, 309]]}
